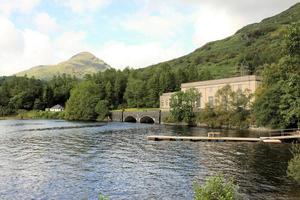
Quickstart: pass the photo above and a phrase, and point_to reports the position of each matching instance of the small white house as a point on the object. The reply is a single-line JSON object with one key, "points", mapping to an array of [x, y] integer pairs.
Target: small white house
{"points": [[56, 108]]}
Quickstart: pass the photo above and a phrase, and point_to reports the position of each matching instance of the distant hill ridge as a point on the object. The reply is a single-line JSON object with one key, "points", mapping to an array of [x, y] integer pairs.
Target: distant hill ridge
{"points": [[250, 47], [78, 65]]}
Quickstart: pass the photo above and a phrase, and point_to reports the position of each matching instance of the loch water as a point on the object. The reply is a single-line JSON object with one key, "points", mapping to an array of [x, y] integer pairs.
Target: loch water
{"points": [[54, 159]]}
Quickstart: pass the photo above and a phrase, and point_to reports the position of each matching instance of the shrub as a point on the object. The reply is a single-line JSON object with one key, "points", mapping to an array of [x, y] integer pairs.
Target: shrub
{"points": [[82, 102], [169, 119], [217, 188], [293, 170], [39, 114], [102, 197]]}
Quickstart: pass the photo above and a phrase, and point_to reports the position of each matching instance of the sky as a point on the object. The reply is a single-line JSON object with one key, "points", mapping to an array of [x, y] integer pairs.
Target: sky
{"points": [[134, 33]]}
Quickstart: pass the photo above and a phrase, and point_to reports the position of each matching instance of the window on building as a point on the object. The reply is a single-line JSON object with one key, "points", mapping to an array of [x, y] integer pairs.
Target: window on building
{"points": [[240, 87], [198, 103], [211, 101], [162, 103]]}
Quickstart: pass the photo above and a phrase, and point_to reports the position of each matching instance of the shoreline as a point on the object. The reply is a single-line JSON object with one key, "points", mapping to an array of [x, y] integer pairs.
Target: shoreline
{"points": [[199, 125]]}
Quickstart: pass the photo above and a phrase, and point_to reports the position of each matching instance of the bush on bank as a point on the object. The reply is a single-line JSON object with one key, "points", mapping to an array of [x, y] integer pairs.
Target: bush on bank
{"points": [[293, 170], [38, 114], [217, 188]]}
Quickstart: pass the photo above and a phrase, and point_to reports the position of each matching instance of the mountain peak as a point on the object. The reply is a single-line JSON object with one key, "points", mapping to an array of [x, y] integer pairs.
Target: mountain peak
{"points": [[83, 55], [78, 65]]}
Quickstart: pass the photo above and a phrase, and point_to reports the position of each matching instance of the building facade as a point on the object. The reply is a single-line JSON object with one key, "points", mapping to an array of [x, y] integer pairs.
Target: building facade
{"points": [[208, 89]]}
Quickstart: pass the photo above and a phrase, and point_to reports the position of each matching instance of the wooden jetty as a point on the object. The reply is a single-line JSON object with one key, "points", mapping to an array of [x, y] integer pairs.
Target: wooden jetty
{"points": [[277, 139]]}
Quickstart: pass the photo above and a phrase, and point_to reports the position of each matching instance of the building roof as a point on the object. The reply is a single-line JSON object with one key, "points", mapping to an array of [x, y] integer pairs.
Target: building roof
{"points": [[221, 81], [57, 107]]}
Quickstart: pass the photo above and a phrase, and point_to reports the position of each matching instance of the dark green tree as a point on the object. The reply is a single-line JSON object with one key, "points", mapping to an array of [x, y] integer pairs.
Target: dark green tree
{"points": [[183, 105], [109, 93], [102, 109], [82, 103], [277, 103], [135, 93]]}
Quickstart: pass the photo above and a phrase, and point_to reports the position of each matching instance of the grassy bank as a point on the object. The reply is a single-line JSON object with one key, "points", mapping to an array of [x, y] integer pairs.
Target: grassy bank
{"points": [[38, 114], [9, 117], [138, 109]]}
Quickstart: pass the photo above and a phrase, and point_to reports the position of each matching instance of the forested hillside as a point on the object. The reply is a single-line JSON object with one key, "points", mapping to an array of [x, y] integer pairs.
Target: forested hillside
{"points": [[22, 93], [244, 52]]}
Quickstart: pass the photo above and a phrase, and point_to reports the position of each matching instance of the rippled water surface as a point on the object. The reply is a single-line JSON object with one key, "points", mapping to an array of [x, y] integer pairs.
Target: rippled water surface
{"points": [[45, 159]]}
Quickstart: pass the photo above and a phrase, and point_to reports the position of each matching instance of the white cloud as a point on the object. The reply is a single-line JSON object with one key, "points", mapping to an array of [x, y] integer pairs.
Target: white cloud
{"points": [[7, 7], [212, 20], [214, 24], [38, 49], [45, 23], [165, 21], [11, 45], [70, 43], [162, 25], [11, 39], [22, 49], [81, 6], [121, 55]]}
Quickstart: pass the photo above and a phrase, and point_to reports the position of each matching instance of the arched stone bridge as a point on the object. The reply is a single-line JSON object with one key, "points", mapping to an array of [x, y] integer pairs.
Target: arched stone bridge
{"points": [[149, 117]]}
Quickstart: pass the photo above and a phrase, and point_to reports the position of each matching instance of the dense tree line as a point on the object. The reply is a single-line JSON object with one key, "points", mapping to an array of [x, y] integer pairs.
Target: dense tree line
{"points": [[118, 89], [23, 93]]}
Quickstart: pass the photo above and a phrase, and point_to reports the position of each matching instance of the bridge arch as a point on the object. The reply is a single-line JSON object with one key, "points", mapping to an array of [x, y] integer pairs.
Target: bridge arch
{"points": [[147, 120], [130, 119]]}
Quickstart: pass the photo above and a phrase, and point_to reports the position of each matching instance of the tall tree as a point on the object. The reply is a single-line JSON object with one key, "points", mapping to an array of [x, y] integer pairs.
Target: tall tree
{"points": [[83, 101], [278, 99], [135, 93], [183, 105]]}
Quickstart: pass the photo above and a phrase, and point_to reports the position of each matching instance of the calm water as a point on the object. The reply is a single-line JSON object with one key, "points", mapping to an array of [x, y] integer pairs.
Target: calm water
{"points": [[67, 160]]}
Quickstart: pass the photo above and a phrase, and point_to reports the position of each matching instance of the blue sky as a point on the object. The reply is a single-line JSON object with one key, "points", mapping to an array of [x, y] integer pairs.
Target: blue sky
{"points": [[134, 33]]}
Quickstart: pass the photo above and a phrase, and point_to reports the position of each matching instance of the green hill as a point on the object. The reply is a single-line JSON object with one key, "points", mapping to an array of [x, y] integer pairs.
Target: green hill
{"points": [[249, 48], [78, 65]]}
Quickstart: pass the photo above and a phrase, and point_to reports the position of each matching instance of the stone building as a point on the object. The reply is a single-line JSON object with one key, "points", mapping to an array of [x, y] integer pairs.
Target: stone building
{"points": [[208, 89]]}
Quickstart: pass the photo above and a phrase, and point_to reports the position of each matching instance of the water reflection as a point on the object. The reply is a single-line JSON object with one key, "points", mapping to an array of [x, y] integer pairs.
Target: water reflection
{"points": [[117, 160]]}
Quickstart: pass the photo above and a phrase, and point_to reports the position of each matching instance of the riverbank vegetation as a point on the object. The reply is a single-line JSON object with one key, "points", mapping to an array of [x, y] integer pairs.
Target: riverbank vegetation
{"points": [[231, 108], [23, 93], [293, 170], [85, 103], [39, 114], [217, 187], [278, 99]]}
